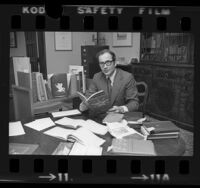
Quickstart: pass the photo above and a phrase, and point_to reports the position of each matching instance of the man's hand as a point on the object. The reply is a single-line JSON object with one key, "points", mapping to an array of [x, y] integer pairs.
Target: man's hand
{"points": [[83, 106], [117, 109]]}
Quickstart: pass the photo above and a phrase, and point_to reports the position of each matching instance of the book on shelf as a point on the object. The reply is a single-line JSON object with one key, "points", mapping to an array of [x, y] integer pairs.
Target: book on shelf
{"points": [[24, 79], [131, 146], [34, 87], [59, 86], [80, 76], [73, 86], [98, 101], [21, 64]]}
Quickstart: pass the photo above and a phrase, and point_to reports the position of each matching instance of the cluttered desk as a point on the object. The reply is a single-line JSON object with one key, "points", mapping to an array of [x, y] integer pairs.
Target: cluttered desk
{"points": [[74, 133]]}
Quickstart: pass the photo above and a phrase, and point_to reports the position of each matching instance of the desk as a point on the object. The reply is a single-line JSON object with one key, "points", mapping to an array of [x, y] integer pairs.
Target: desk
{"points": [[47, 144]]}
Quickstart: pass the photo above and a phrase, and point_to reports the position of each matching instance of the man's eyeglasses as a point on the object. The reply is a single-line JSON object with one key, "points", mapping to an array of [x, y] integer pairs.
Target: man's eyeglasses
{"points": [[107, 63]]}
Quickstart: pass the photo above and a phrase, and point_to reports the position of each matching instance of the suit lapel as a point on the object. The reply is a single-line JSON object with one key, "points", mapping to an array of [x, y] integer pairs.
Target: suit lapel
{"points": [[116, 86]]}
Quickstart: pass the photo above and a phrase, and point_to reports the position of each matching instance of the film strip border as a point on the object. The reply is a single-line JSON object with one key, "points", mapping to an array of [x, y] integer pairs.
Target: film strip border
{"points": [[101, 170], [112, 23], [112, 169], [108, 18]]}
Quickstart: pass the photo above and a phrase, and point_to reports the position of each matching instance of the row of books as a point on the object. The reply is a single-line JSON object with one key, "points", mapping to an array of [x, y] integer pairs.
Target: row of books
{"points": [[56, 85]]}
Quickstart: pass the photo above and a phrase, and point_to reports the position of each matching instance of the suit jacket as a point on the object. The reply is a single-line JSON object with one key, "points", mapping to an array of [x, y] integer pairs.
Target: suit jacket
{"points": [[124, 90]]}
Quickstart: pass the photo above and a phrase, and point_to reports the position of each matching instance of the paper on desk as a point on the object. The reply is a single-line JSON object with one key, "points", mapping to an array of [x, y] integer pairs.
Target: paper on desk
{"points": [[71, 123], [59, 132], [88, 124], [40, 124], [86, 137], [16, 129], [120, 129], [139, 121], [79, 149], [66, 113], [95, 127]]}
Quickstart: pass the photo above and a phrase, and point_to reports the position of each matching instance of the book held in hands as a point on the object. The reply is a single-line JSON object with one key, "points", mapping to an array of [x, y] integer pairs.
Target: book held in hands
{"points": [[97, 101]]}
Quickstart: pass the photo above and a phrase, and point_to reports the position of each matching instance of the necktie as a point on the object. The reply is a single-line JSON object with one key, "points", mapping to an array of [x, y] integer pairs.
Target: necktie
{"points": [[109, 87]]}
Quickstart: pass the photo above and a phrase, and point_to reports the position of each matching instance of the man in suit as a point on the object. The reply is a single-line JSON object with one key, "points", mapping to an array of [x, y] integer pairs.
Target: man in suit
{"points": [[118, 84]]}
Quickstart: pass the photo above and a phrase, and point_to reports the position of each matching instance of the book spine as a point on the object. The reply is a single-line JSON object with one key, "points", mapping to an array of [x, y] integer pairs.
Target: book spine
{"points": [[42, 87], [34, 87], [49, 94], [38, 86]]}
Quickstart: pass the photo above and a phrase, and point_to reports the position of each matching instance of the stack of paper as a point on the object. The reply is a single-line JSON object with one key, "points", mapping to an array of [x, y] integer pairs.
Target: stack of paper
{"points": [[66, 113], [40, 124], [59, 132], [86, 137], [16, 129], [79, 149], [120, 129]]}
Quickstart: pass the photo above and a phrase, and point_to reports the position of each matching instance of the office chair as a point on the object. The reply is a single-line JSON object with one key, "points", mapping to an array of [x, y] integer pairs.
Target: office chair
{"points": [[25, 109], [142, 95]]}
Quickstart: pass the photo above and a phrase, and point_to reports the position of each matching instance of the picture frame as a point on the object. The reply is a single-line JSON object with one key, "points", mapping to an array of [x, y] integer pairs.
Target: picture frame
{"points": [[63, 41], [122, 39], [13, 40]]}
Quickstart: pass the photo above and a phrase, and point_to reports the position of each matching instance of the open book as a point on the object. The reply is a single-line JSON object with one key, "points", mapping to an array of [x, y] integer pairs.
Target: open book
{"points": [[98, 100]]}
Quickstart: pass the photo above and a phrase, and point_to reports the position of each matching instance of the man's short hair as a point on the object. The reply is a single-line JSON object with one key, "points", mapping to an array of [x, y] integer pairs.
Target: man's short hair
{"points": [[106, 51]]}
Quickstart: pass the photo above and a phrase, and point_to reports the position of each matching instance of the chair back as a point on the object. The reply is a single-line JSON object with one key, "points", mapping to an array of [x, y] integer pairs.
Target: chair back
{"points": [[22, 101], [142, 95]]}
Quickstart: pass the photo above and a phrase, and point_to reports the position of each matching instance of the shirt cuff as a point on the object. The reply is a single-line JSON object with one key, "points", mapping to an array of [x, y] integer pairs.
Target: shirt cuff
{"points": [[125, 108]]}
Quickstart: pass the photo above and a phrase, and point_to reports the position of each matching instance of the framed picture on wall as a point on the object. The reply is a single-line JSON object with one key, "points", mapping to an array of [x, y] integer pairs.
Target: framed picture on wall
{"points": [[63, 41], [13, 40], [122, 39]]}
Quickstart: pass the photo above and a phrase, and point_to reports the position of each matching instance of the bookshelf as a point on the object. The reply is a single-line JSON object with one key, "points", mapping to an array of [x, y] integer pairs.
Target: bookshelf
{"points": [[167, 48]]}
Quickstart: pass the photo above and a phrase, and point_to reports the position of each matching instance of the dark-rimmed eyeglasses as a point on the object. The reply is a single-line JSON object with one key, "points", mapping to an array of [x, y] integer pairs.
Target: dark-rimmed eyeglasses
{"points": [[107, 63]]}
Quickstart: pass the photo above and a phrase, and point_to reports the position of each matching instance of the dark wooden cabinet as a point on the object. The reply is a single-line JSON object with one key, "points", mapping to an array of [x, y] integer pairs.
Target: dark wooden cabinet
{"points": [[167, 66], [170, 91], [89, 61]]}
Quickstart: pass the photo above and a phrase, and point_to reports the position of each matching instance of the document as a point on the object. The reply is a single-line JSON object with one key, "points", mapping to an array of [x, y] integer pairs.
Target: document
{"points": [[113, 117], [120, 129], [95, 127], [59, 132], [86, 137], [40, 124], [66, 113], [16, 129], [91, 125], [80, 149], [70, 123]]}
